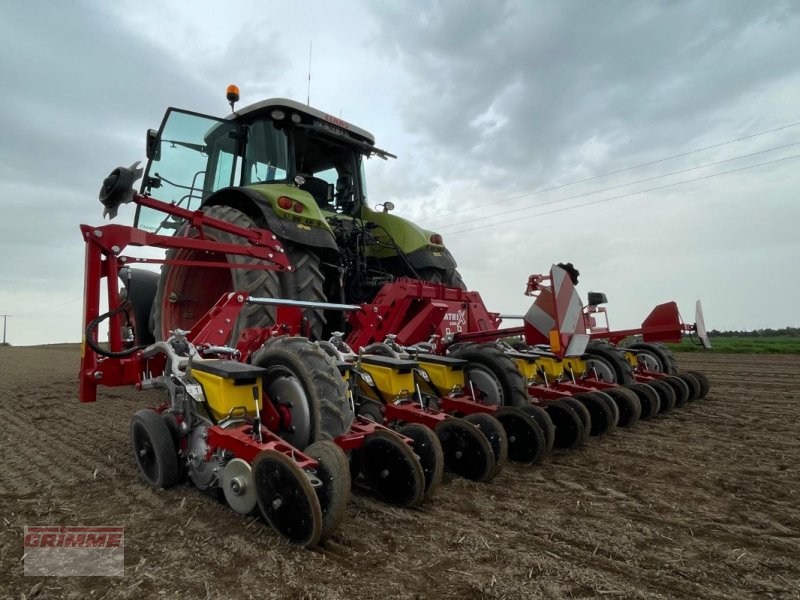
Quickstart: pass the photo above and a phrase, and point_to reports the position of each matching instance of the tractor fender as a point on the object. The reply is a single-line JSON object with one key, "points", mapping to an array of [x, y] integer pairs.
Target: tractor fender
{"points": [[411, 239], [259, 204]]}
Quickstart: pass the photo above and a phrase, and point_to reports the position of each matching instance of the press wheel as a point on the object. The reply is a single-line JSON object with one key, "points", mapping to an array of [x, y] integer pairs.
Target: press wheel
{"points": [[568, 425], [692, 383], [583, 415], [630, 409], [494, 432], [431, 456], [286, 498], [602, 417], [526, 440], [334, 472], [391, 469], [467, 452], [543, 420], [681, 389], [665, 394], [648, 398], [154, 449], [702, 379]]}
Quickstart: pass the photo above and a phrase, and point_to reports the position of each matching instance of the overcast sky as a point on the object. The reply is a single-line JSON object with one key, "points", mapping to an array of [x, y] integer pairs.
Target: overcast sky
{"points": [[489, 106]]}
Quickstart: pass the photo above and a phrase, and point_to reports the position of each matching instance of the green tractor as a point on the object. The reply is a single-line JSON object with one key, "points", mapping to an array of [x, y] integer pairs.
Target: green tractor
{"points": [[293, 170]]}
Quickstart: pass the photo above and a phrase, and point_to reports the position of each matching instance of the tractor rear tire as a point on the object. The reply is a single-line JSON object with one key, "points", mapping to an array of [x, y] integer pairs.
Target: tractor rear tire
{"points": [[498, 370], [321, 381], [186, 293], [305, 282]]}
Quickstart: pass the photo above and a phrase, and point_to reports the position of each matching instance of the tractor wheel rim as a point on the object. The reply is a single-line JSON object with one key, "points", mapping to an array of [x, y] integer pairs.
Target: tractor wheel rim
{"points": [[602, 370], [486, 385]]}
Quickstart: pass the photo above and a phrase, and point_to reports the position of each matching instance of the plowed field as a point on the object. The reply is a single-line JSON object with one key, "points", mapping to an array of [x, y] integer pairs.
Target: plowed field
{"points": [[702, 503]]}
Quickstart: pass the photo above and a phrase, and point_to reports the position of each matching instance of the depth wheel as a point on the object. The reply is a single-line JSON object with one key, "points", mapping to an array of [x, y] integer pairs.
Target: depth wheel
{"points": [[612, 406], [705, 384], [494, 432], [527, 442], [544, 422], [665, 394], [334, 472], [608, 363], [493, 375], [648, 398], [286, 498], [680, 388], [392, 470], [602, 417], [467, 452], [569, 427], [154, 449], [304, 384], [630, 409], [583, 415], [431, 456]]}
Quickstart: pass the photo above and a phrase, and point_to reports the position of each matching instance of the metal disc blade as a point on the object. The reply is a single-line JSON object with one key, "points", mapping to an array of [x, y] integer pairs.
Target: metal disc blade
{"points": [[237, 485]]}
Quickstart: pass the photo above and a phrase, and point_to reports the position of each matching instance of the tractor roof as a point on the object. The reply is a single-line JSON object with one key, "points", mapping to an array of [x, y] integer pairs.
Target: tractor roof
{"points": [[266, 106]]}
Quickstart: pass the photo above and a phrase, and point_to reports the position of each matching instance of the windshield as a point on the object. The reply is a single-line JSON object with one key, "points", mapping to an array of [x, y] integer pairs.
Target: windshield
{"points": [[196, 155]]}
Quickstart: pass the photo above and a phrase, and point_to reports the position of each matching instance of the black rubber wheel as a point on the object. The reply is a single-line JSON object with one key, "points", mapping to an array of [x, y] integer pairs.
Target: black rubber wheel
{"points": [[527, 442], [306, 282], [391, 469], [705, 384], [467, 452], [305, 372], [692, 383], [630, 409], [436, 275], [371, 411], [609, 363], [493, 374], [648, 398], [569, 427], [286, 498], [154, 449], [334, 472], [583, 413], [602, 417], [496, 434], [612, 406], [428, 449], [680, 388], [186, 293], [543, 420], [666, 395], [654, 357]]}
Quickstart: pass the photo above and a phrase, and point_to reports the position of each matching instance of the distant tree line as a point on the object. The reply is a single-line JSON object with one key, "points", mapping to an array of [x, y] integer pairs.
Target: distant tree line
{"points": [[785, 332]]}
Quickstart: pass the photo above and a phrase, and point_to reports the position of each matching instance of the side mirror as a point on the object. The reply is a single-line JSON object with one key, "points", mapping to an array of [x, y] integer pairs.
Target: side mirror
{"points": [[152, 147]]}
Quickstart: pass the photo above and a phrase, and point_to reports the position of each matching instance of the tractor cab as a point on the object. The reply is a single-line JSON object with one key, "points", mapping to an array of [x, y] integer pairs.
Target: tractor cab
{"points": [[277, 142]]}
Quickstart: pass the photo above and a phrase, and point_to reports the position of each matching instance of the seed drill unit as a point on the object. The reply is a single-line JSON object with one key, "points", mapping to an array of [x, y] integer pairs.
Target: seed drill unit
{"points": [[304, 339]]}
